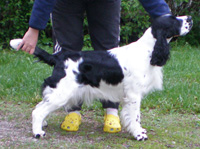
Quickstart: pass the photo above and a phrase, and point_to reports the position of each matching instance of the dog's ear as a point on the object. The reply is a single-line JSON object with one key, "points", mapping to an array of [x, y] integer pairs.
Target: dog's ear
{"points": [[160, 54]]}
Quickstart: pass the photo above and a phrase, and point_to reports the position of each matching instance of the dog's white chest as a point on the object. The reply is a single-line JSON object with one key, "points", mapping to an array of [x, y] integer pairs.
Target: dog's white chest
{"points": [[104, 91]]}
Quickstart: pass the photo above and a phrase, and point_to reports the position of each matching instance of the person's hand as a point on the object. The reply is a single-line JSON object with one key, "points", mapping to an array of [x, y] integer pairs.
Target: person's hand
{"points": [[29, 41]]}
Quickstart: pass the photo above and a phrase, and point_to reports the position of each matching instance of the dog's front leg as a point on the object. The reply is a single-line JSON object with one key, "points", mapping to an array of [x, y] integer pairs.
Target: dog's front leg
{"points": [[130, 116]]}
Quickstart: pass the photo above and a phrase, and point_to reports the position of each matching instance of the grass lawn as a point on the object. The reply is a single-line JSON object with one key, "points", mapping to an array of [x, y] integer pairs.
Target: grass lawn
{"points": [[171, 116]]}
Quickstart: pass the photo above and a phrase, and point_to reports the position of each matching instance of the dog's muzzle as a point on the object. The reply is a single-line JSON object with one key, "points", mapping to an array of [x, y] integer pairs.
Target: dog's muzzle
{"points": [[190, 21], [186, 26]]}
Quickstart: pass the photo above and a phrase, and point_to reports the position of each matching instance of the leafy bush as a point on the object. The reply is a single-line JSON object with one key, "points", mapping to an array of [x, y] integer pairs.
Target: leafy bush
{"points": [[14, 16], [134, 20]]}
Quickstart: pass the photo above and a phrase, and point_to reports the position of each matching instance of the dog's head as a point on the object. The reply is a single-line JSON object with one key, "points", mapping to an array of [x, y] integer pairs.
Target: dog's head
{"points": [[163, 29]]}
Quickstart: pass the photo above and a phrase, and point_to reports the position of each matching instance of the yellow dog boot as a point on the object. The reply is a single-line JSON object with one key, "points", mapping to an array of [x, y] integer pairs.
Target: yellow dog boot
{"points": [[71, 122], [111, 124]]}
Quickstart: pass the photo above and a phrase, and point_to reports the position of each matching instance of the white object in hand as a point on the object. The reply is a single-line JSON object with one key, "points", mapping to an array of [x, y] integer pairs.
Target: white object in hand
{"points": [[14, 43]]}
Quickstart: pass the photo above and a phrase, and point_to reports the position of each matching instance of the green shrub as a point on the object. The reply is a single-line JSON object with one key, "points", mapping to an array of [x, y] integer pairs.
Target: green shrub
{"points": [[14, 16], [134, 21]]}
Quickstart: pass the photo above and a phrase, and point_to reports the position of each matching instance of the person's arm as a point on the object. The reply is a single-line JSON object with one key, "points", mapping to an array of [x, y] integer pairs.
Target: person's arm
{"points": [[38, 21], [40, 13], [155, 8]]}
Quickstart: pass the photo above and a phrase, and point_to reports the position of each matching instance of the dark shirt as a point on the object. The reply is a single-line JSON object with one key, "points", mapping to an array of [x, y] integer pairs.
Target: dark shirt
{"points": [[42, 9]]}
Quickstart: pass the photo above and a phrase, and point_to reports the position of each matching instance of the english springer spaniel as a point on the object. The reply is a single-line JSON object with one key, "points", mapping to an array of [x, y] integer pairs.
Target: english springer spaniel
{"points": [[124, 74]]}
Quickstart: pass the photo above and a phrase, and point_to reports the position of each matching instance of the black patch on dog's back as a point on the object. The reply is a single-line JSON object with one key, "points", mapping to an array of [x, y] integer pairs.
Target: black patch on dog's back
{"points": [[97, 66]]}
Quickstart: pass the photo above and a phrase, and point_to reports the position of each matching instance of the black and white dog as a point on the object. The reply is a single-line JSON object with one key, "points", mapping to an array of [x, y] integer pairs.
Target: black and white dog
{"points": [[124, 74]]}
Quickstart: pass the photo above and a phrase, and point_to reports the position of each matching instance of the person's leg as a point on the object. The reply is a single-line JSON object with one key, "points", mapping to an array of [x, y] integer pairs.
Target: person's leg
{"points": [[104, 23], [67, 22], [104, 27]]}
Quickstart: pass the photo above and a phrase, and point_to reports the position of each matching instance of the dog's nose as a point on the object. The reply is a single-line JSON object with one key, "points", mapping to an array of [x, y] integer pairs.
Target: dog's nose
{"points": [[189, 19]]}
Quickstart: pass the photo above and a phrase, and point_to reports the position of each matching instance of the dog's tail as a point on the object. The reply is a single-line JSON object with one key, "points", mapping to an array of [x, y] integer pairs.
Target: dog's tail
{"points": [[45, 56]]}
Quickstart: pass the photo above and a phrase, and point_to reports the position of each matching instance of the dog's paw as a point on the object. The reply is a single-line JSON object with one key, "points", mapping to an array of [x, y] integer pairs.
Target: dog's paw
{"points": [[144, 131], [39, 135], [140, 135]]}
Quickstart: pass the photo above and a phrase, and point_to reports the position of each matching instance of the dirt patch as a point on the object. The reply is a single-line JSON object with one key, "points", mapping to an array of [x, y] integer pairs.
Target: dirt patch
{"points": [[10, 134], [174, 130], [15, 125], [15, 128]]}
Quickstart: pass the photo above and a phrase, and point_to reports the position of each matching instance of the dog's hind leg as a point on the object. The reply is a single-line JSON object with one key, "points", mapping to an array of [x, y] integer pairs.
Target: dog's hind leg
{"points": [[130, 116], [53, 99], [38, 116]]}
